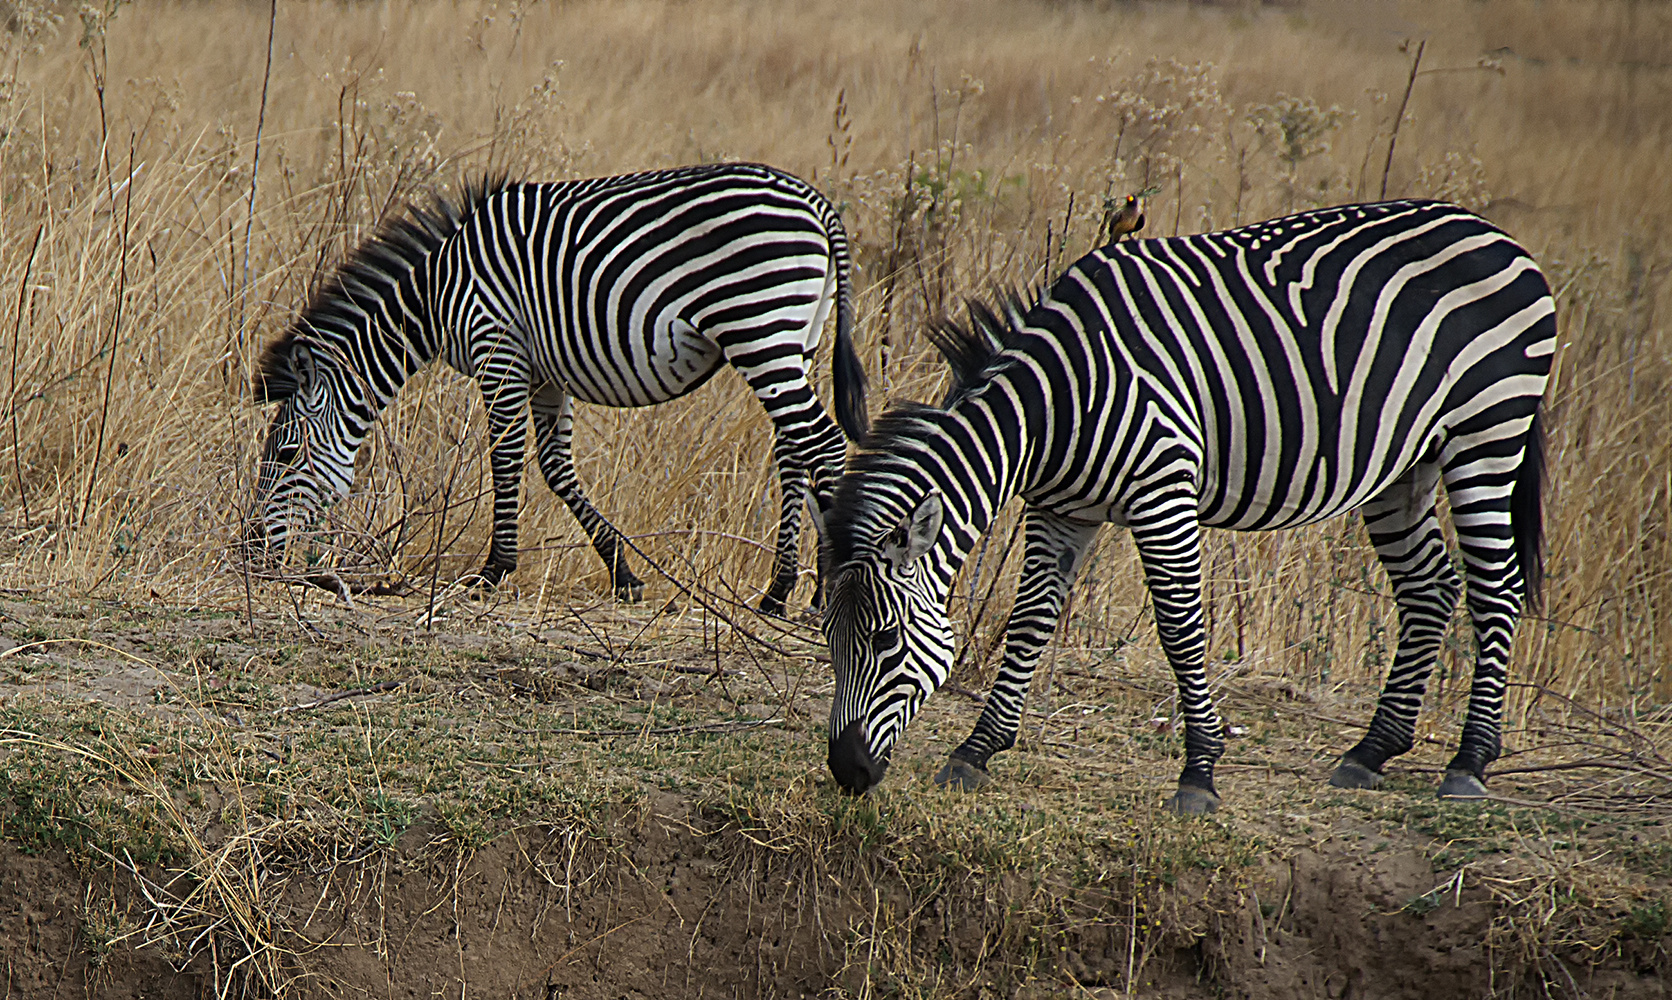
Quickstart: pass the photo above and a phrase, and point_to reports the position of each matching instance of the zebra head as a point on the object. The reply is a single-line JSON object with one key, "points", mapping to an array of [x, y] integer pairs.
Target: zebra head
{"points": [[890, 643], [308, 460]]}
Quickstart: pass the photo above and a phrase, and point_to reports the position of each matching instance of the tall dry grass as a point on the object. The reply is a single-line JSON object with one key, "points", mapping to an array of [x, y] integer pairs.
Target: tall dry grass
{"points": [[168, 200]]}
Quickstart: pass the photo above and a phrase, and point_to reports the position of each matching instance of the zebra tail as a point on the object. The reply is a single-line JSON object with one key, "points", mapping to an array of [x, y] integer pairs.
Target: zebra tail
{"points": [[845, 367], [1526, 512]]}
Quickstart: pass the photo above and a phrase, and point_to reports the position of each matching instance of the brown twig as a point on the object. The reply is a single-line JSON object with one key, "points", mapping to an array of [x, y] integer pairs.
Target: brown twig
{"points": [[707, 606], [721, 727], [255, 169], [1400, 117], [17, 330], [341, 695], [115, 330]]}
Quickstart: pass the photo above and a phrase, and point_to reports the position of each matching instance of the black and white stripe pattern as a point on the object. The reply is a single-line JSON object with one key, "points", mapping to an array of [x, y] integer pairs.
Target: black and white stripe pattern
{"points": [[1345, 359], [620, 291]]}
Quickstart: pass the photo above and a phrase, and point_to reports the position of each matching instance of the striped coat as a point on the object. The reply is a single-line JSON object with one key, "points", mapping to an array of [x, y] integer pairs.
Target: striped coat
{"points": [[1346, 359]]}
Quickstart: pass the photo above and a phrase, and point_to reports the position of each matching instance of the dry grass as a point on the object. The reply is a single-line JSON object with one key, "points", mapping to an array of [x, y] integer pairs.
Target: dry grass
{"points": [[149, 244], [967, 145], [959, 159]]}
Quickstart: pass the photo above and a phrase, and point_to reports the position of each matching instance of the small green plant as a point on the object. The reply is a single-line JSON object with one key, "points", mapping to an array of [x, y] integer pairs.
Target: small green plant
{"points": [[1649, 921], [384, 818]]}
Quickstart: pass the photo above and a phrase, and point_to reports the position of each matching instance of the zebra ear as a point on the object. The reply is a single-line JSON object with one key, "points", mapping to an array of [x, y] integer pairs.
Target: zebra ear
{"points": [[914, 535], [821, 496], [302, 368]]}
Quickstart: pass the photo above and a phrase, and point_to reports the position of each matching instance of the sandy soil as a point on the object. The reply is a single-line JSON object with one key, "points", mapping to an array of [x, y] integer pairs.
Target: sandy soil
{"points": [[680, 879]]}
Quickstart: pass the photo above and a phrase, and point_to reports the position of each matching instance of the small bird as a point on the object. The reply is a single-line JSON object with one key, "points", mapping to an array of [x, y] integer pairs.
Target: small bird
{"points": [[1129, 218]]}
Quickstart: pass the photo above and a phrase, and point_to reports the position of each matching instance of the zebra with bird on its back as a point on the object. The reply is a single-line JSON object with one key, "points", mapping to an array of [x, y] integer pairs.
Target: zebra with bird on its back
{"points": [[1346, 359]]}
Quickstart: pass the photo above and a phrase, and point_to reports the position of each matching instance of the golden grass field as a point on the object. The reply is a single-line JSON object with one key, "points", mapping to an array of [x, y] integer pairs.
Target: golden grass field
{"points": [[968, 144], [171, 187]]}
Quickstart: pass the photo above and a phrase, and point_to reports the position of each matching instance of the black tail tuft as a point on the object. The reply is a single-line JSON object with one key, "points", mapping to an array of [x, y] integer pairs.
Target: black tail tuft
{"points": [[1526, 512], [849, 373]]}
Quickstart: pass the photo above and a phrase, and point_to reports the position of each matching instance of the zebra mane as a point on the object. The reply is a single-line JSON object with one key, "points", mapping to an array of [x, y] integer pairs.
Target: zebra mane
{"points": [[374, 270], [970, 349]]}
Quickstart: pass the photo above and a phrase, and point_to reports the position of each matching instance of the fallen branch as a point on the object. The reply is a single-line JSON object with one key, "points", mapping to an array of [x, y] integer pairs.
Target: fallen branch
{"points": [[686, 668], [341, 695], [722, 727]]}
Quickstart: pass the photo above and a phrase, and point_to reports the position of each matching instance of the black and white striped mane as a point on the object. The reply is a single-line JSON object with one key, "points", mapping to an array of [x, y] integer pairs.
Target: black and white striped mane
{"points": [[372, 272], [971, 349]]}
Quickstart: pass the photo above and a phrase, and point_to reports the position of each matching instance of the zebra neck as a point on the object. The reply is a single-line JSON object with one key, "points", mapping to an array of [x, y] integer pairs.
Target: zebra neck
{"points": [[985, 461], [974, 456], [383, 352]]}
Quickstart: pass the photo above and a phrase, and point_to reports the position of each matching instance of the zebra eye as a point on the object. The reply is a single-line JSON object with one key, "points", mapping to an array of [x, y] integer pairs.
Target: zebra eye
{"points": [[884, 638]]}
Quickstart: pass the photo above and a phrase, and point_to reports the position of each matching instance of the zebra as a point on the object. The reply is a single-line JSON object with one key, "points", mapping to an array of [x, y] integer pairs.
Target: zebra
{"points": [[1349, 358], [619, 291]]}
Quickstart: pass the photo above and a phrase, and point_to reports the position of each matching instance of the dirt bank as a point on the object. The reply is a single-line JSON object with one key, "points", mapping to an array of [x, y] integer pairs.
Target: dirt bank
{"points": [[632, 810], [683, 904]]}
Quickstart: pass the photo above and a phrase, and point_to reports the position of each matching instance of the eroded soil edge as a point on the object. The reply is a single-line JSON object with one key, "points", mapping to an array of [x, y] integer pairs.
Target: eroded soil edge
{"points": [[675, 901]]}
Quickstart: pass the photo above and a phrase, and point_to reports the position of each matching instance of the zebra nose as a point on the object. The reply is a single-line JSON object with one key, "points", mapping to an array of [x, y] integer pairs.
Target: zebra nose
{"points": [[851, 762]]}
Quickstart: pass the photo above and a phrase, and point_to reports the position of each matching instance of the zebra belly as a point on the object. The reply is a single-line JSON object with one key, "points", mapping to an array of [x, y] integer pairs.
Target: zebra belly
{"points": [[1413, 482], [674, 361]]}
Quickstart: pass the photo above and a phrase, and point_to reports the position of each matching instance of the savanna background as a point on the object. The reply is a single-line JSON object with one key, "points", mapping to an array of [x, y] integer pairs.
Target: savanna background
{"points": [[220, 781]]}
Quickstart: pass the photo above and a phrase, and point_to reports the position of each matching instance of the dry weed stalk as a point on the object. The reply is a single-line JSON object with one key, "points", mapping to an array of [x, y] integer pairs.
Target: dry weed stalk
{"points": [[220, 903]]}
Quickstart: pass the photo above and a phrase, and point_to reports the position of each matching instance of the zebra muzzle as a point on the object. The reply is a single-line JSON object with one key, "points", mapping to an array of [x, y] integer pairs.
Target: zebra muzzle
{"points": [[851, 762]]}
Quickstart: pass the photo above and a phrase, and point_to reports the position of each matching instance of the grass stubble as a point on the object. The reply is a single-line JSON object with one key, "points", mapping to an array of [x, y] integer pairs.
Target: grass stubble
{"points": [[149, 244]]}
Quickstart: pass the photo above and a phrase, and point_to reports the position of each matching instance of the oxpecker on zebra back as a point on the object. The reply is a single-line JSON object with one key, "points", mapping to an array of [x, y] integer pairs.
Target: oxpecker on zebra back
{"points": [[1347, 359], [617, 291]]}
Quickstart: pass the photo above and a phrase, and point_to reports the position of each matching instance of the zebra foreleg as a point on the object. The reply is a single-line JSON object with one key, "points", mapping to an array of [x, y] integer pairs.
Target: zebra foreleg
{"points": [[1169, 541], [1406, 533], [554, 428], [505, 394], [1054, 549]]}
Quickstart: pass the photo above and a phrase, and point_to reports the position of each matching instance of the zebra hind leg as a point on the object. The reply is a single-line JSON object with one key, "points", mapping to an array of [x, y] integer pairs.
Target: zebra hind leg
{"points": [[1406, 532], [792, 481], [821, 497], [1495, 536], [805, 438]]}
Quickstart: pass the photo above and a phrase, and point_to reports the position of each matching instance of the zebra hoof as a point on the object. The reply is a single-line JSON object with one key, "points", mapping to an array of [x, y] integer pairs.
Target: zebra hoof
{"points": [[630, 592], [773, 606], [962, 776], [1192, 801], [1460, 784], [1352, 774], [484, 580]]}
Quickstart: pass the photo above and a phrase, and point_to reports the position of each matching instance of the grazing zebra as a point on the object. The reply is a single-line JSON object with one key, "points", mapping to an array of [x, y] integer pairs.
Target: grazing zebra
{"points": [[1344, 359], [620, 291]]}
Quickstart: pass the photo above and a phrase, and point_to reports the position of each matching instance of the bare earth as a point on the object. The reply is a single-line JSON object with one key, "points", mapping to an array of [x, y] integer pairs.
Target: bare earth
{"points": [[576, 804]]}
